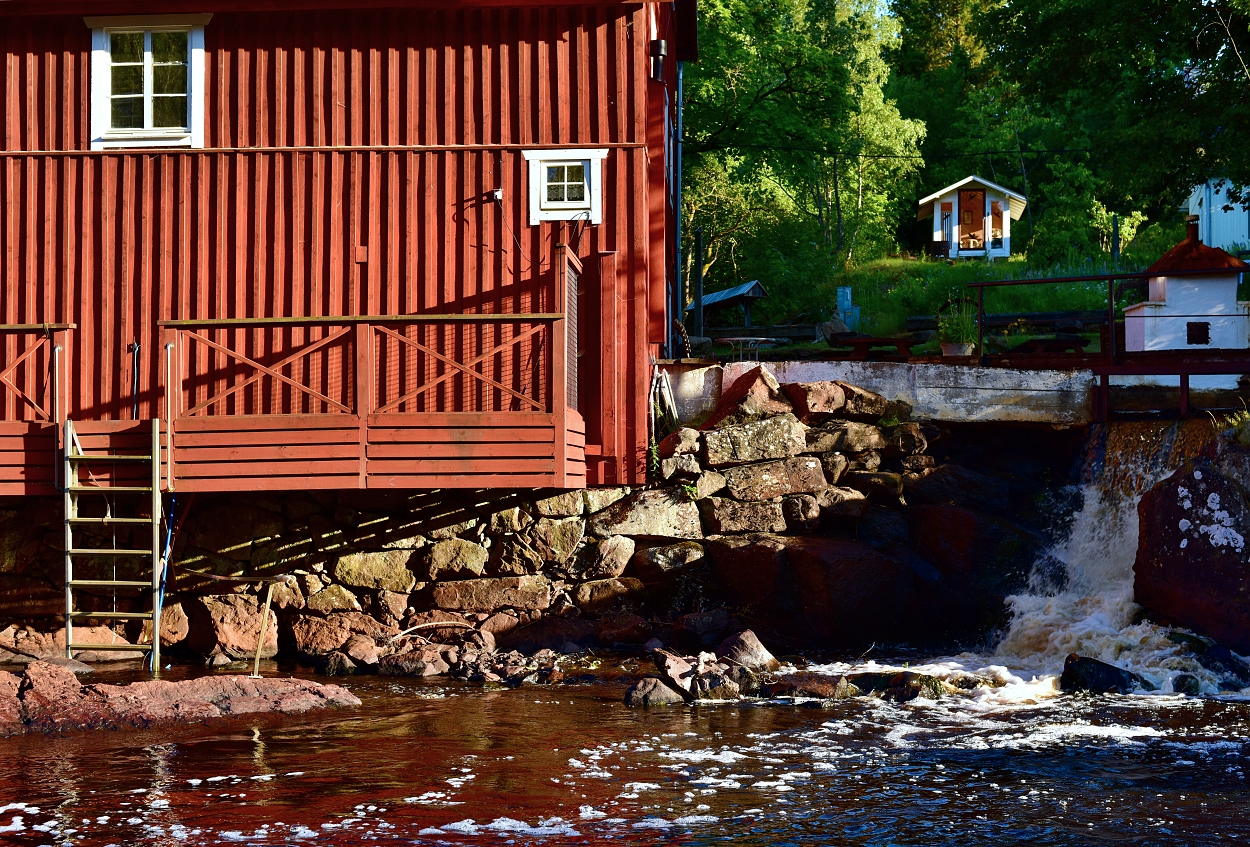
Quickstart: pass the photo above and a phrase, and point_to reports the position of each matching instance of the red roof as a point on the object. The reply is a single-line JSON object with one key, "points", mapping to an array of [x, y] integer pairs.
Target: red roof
{"points": [[1192, 255]]}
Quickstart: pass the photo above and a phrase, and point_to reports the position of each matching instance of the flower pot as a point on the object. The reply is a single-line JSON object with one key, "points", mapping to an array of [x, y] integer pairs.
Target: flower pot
{"points": [[950, 349]]}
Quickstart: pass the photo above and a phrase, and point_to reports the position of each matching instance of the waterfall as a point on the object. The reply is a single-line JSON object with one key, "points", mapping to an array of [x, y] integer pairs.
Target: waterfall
{"points": [[1091, 611]]}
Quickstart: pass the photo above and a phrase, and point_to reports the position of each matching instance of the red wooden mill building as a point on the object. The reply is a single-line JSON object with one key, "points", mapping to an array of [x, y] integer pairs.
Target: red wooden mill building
{"points": [[328, 245]]}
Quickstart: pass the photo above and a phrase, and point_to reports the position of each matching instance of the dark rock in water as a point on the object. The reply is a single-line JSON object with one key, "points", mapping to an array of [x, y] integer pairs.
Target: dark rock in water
{"points": [[714, 684], [811, 685], [1081, 673], [424, 661], [900, 686], [707, 627], [982, 557], [652, 692], [1187, 684], [1214, 657], [50, 698], [550, 634], [675, 670], [957, 485], [1192, 567], [748, 681], [338, 664], [745, 650]]}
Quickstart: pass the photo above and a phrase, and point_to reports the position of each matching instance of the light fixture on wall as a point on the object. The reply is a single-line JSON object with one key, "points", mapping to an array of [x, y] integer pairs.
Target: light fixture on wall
{"points": [[659, 49]]}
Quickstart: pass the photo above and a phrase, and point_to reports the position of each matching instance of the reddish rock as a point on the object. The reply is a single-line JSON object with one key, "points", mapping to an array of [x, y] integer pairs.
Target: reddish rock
{"points": [[684, 441], [601, 594], [229, 624], [772, 438], [905, 439], [883, 488], [706, 627], [550, 634], [804, 684], [655, 563], [801, 512], [845, 437], [754, 572], [609, 557], [655, 513], [766, 480], [10, 708], [425, 620], [623, 628], [848, 593], [834, 464], [722, 515], [518, 592], [423, 661], [745, 650], [52, 698], [815, 401], [754, 396], [841, 502], [316, 636], [500, 624], [862, 404], [1192, 566]]}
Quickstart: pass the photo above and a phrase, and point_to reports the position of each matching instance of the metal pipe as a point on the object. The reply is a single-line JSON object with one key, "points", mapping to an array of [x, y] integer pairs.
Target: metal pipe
{"points": [[56, 408], [134, 380], [158, 560], [169, 416], [698, 281], [68, 502], [679, 292]]}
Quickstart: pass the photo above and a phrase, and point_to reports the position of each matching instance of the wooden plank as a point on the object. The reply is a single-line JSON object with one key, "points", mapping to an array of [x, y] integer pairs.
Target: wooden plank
{"points": [[456, 480], [468, 467], [10, 473], [344, 320], [259, 438], [455, 450], [267, 483], [268, 453], [187, 470], [545, 435], [254, 423], [462, 420]]}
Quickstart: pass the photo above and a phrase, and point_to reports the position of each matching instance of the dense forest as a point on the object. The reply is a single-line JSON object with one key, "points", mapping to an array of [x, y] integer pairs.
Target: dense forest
{"points": [[812, 127]]}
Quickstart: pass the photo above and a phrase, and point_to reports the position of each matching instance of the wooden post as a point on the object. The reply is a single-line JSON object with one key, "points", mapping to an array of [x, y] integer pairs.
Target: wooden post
{"points": [[1184, 395], [1111, 321], [980, 325], [364, 394], [559, 368], [610, 423]]}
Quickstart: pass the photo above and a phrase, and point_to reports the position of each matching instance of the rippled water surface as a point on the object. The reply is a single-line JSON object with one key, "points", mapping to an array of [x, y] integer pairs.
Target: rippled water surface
{"points": [[439, 764]]}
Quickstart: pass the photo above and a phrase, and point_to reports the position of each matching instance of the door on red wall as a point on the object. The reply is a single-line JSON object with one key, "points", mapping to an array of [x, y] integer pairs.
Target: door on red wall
{"points": [[971, 220]]}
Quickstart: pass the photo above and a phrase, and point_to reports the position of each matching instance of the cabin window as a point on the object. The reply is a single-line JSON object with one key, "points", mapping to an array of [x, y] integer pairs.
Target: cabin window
{"points": [[147, 81], [565, 185], [1198, 332]]}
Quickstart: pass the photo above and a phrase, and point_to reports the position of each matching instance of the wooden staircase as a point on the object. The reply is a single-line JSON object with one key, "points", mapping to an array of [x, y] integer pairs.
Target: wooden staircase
{"points": [[120, 482]]}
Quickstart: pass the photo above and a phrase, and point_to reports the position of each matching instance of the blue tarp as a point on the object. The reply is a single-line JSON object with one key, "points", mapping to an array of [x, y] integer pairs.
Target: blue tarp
{"points": [[747, 291]]}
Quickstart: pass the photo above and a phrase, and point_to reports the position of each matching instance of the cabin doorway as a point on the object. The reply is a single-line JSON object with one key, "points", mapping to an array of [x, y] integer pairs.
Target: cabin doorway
{"points": [[971, 220]]}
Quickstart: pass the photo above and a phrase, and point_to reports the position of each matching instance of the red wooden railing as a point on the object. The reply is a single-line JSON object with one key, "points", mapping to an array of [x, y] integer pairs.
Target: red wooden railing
{"points": [[357, 401]]}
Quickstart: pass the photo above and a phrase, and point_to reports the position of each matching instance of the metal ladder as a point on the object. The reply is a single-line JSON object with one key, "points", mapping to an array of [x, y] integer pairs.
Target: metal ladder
{"points": [[74, 460]]}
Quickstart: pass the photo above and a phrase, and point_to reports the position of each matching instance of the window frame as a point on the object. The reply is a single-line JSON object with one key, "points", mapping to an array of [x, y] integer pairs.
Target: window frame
{"points": [[103, 136], [540, 209]]}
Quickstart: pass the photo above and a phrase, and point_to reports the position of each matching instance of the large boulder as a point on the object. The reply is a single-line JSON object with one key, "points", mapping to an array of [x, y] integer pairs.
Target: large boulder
{"points": [[684, 441], [845, 437], [849, 593], [772, 438], [722, 515], [862, 404], [550, 633], [1081, 673], [600, 594], [336, 598], [841, 502], [655, 563], [815, 401], [609, 557], [557, 538], [386, 569], [905, 439], [981, 557], [566, 504], [650, 691], [745, 649], [453, 558], [754, 396], [486, 595], [317, 636], [1192, 565], [879, 487], [657, 513], [754, 572], [229, 625], [956, 485], [766, 480]]}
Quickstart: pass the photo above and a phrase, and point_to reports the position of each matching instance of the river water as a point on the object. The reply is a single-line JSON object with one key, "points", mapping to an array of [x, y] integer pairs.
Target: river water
{"points": [[438, 763]]}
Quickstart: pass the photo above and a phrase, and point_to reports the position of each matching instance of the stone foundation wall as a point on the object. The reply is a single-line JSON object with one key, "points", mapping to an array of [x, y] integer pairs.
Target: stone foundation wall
{"points": [[797, 509]]}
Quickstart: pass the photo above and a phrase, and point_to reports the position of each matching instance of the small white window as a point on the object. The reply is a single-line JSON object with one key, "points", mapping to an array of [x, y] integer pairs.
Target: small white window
{"points": [[147, 75], [566, 185]]}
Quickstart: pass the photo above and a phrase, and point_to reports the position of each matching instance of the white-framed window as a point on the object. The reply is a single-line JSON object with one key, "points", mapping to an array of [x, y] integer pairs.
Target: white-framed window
{"points": [[147, 81], [566, 185]]}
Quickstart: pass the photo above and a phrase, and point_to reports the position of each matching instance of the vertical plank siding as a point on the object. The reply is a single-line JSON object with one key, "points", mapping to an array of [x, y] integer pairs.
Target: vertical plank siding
{"points": [[350, 163]]}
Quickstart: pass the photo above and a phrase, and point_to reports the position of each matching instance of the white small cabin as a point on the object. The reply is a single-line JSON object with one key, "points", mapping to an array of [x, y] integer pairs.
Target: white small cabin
{"points": [[972, 218], [1191, 312], [1218, 226]]}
